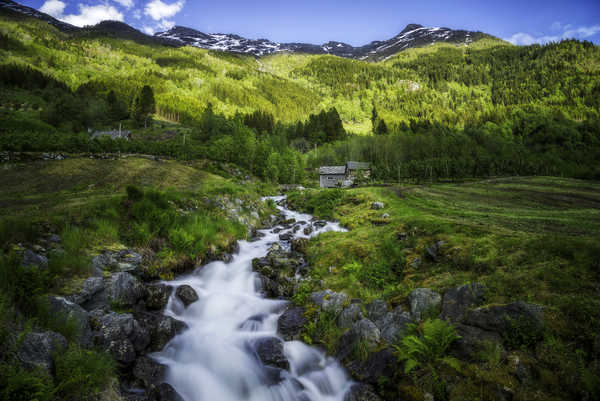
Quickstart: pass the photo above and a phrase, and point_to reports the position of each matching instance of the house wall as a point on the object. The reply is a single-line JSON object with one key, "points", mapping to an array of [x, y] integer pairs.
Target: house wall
{"points": [[330, 180]]}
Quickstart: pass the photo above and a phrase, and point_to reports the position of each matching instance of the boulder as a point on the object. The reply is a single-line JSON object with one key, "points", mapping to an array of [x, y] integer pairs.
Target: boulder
{"points": [[380, 364], [149, 372], [120, 334], [55, 238], [37, 350], [457, 301], [291, 323], [433, 250], [270, 352], [62, 308], [299, 245], [329, 301], [161, 329], [385, 216], [503, 319], [157, 296], [89, 288], [363, 332], [394, 325], [376, 310], [307, 230], [124, 289], [104, 261], [164, 392], [377, 205], [423, 300], [286, 236], [186, 294], [361, 392], [31, 258], [471, 340], [351, 314]]}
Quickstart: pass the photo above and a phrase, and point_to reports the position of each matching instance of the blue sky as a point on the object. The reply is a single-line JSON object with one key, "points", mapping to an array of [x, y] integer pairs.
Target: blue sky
{"points": [[355, 22]]}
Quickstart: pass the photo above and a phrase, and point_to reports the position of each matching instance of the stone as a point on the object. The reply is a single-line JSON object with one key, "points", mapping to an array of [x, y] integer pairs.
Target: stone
{"points": [[124, 289], [186, 294], [122, 350], [299, 245], [394, 325], [376, 310], [471, 340], [329, 301], [104, 261], [164, 392], [361, 392], [385, 216], [502, 319], [457, 301], [269, 351], [416, 263], [307, 230], [157, 296], [149, 372], [377, 205], [364, 332], [433, 251], [423, 300], [286, 236], [349, 316], [90, 287], [70, 311], [320, 223], [54, 238], [161, 329], [291, 323], [37, 350], [120, 334], [380, 364], [31, 258]]}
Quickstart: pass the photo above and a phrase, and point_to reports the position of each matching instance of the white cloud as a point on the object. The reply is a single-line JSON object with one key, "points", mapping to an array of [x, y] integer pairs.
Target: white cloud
{"points": [[125, 3], [582, 32], [148, 30], [165, 25], [158, 10], [54, 8], [137, 14], [91, 15]]}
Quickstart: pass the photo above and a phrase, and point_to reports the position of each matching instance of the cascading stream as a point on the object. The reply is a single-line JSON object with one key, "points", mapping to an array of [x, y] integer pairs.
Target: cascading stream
{"points": [[215, 358]]}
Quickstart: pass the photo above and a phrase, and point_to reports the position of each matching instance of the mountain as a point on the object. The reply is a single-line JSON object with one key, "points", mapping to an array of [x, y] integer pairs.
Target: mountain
{"points": [[412, 36], [11, 6]]}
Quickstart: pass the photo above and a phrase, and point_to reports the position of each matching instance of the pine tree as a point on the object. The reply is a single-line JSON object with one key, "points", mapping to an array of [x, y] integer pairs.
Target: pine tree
{"points": [[143, 106]]}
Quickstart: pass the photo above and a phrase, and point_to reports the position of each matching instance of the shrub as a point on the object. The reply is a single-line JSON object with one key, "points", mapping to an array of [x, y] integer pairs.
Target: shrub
{"points": [[82, 374], [22, 285], [17, 384], [134, 193]]}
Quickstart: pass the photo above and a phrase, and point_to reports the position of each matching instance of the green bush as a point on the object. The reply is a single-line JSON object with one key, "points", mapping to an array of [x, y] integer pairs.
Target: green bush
{"points": [[22, 284], [82, 374], [17, 384]]}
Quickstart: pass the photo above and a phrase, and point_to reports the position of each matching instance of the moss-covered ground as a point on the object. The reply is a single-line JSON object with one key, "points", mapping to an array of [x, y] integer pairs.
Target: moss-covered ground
{"points": [[530, 239]]}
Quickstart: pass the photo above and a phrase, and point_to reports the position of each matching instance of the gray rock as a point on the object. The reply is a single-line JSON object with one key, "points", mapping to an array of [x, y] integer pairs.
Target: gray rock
{"points": [[124, 289], [320, 223], [186, 294], [393, 325], [385, 216], [286, 236], [90, 287], [416, 263], [54, 238], [329, 301], [502, 319], [164, 392], [104, 261], [423, 300], [37, 350], [363, 332], [307, 230], [291, 323], [270, 352], [377, 205], [161, 328], [120, 334], [157, 296], [31, 258], [433, 250], [62, 308], [361, 392], [471, 340], [380, 364], [376, 310], [149, 372], [122, 350], [457, 301], [349, 316]]}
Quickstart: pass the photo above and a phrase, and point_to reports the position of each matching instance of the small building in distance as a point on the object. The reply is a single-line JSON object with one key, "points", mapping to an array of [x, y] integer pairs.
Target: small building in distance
{"points": [[112, 134], [343, 176]]}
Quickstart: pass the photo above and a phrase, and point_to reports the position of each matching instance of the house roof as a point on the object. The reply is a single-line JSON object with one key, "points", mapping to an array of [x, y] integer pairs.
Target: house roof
{"points": [[357, 165], [332, 170]]}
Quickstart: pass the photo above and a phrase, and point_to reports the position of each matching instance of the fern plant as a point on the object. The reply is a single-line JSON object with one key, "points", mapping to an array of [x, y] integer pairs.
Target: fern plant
{"points": [[427, 350]]}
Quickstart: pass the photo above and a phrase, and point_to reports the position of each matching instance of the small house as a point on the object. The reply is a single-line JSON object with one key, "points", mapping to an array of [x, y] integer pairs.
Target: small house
{"points": [[332, 176], [343, 176]]}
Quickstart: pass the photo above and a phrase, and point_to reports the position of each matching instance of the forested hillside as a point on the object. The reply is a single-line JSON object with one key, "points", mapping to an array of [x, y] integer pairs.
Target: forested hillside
{"points": [[438, 112]]}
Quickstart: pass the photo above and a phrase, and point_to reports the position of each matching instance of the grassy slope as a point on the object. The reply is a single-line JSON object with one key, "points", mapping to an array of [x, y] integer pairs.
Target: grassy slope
{"points": [[531, 239]]}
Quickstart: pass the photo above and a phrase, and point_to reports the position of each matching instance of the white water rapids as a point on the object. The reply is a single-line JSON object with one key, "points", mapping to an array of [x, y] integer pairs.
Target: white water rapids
{"points": [[214, 358]]}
